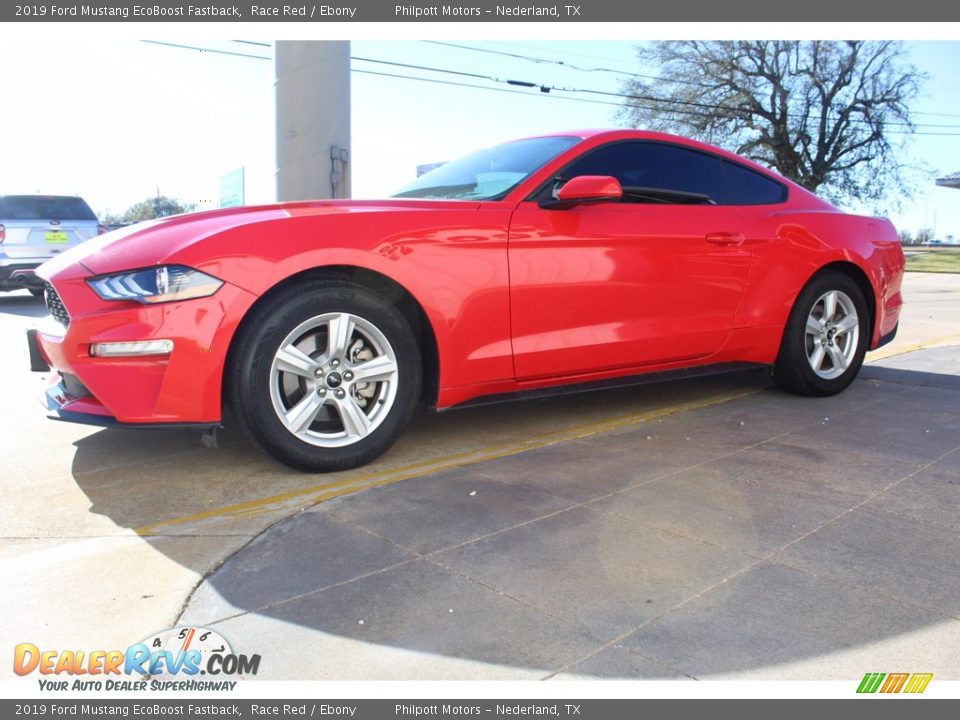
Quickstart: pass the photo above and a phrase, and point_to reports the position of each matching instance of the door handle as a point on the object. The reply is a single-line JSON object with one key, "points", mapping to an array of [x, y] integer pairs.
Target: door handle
{"points": [[724, 238]]}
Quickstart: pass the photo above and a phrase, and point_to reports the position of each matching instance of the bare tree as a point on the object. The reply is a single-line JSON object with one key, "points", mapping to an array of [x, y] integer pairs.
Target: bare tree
{"points": [[831, 116]]}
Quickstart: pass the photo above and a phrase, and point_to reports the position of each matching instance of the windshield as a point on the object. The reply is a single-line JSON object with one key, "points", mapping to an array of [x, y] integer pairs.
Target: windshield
{"points": [[488, 174]]}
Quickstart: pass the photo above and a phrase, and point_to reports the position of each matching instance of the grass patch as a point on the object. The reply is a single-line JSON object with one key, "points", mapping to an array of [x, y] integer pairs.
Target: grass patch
{"points": [[937, 261]]}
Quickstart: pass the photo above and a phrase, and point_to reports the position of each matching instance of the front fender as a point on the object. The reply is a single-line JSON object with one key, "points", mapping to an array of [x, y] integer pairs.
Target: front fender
{"points": [[453, 264]]}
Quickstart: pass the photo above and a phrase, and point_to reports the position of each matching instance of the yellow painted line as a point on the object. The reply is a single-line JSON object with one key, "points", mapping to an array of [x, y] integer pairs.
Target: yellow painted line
{"points": [[325, 491], [885, 353]]}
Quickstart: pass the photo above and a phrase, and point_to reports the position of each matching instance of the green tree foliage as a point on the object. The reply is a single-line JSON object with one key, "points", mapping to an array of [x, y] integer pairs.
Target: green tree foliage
{"points": [[153, 207], [831, 116]]}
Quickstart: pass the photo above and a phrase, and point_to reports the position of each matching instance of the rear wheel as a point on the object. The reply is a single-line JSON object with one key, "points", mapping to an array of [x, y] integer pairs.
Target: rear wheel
{"points": [[325, 376], [826, 337]]}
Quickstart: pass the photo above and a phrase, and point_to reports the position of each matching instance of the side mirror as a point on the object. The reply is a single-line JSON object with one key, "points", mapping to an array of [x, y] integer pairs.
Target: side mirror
{"points": [[585, 189]]}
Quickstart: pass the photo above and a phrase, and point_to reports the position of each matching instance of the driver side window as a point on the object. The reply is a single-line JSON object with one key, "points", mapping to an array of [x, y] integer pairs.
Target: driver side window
{"points": [[652, 172]]}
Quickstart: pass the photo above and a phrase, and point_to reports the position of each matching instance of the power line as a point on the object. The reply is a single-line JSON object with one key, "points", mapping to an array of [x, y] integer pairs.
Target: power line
{"points": [[562, 63], [422, 67], [547, 61], [651, 98], [713, 111], [710, 108], [521, 83], [437, 81], [544, 89], [205, 49], [953, 115], [566, 52]]}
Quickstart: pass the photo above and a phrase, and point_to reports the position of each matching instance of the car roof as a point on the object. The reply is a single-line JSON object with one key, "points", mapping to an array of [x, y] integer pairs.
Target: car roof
{"points": [[39, 195]]}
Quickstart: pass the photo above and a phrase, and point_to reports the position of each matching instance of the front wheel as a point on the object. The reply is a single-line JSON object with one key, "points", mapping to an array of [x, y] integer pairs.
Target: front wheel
{"points": [[325, 376], [826, 337]]}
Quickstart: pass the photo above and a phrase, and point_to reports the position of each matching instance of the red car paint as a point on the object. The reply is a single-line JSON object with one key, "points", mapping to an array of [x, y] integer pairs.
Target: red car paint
{"points": [[517, 296]]}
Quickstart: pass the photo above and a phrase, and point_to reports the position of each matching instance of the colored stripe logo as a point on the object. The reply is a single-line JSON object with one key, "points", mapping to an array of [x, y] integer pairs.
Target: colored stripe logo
{"points": [[918, 682], [894, 683]]}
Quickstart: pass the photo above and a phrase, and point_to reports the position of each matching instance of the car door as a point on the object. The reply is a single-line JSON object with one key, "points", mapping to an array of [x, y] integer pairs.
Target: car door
{"points": [[652, 279]]}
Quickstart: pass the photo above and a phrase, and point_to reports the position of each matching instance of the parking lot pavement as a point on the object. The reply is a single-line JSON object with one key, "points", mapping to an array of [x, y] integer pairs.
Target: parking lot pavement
{"points": [[706, 528], [769, 536], [929, 313], [105, 533]]}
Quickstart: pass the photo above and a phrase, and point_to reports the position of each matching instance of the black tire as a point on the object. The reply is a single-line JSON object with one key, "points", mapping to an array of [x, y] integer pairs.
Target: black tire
{"points": [[254, 385], [794, 370]]}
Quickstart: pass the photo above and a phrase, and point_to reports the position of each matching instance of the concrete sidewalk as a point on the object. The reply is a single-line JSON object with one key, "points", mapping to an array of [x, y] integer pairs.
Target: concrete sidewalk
{"points": [[769, 537]]}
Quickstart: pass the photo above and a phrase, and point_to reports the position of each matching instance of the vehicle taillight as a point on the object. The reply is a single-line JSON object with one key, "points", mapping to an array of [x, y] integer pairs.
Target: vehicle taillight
{"points": [[101, 229], [3, 233]]}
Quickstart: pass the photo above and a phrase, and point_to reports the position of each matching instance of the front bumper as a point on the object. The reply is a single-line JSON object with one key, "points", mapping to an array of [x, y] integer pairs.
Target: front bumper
{"points": [[180, 388], [62, 405]]}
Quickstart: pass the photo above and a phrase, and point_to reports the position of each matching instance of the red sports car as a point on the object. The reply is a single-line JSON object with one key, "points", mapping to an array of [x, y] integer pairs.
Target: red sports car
{"points": [[544, 263]]}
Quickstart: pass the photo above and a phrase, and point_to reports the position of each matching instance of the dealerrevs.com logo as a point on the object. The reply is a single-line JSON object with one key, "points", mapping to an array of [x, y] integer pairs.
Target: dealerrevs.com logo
{"points": [[169, 660]]}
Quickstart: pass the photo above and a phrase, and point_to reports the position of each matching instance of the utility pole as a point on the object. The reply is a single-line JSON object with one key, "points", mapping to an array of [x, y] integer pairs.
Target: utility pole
{"points": [[313, 119]]}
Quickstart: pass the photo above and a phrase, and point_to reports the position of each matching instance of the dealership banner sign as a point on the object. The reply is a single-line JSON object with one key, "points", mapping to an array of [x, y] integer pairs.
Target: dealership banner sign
{"points": [[479, 11]]}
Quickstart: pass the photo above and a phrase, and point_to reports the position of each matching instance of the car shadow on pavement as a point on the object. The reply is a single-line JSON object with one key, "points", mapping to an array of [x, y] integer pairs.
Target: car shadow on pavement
{"points": [[772, 535], [23, 305]]}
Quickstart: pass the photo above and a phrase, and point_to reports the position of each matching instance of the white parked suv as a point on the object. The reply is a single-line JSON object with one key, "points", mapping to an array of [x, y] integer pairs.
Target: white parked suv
{"points": [[34, 228]]}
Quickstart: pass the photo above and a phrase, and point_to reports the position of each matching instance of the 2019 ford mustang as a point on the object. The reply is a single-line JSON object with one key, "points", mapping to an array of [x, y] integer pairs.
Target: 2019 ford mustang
{"points": [[543, 263]]}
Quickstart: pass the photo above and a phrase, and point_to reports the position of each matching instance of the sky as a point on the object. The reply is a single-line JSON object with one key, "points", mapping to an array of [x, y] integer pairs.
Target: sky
{"points": [[116, 119]]}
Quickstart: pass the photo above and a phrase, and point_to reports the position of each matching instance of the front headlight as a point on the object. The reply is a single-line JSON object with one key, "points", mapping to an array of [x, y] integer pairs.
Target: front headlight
{"points": [[155, 285]]}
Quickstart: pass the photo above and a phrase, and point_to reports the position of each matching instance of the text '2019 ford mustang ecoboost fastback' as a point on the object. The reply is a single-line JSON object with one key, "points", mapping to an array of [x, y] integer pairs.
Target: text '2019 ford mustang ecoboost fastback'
{"points": [[537, 264]]}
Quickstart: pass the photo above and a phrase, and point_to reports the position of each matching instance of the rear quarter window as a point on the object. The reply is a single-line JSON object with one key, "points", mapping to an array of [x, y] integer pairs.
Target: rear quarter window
{"points": [[44, 207], [746, 187]]}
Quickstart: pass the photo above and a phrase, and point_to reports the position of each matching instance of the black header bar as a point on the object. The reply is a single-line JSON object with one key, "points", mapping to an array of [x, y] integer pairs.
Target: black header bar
{"points": [[472, 11]]}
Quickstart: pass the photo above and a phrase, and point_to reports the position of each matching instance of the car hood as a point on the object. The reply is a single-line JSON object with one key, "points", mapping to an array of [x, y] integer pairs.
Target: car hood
{"points": [[155, 241]]}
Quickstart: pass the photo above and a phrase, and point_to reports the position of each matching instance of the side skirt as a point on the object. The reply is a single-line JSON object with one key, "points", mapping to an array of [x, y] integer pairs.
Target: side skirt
{"points": [[609, 384]]}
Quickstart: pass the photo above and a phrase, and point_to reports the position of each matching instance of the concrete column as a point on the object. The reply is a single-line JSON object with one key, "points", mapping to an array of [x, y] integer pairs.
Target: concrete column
{"points": [[313, 119]]}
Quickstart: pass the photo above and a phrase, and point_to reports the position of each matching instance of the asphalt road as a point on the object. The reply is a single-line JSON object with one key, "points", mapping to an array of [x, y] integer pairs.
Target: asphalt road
{"points": [[712, 528]]}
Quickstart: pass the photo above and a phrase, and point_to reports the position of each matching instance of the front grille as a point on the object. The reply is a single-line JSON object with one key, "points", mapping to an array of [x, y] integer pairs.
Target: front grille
{"points": [[55, 305]]}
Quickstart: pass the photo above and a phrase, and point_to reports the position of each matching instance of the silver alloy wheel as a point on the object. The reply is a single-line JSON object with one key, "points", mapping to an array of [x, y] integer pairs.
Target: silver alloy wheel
{"points": [[832, 334], [333, 380]]}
